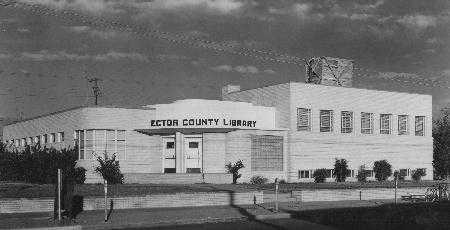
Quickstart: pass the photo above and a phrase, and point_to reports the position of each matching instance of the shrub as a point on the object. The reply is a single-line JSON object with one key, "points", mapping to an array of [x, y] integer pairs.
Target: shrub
{"points": [[39, 165], [258, 180], [320, 175], [399, 175], [362, 174], [418, 174], [340, 170], [234, 169], [282, 181], [382, 170], [109, 169]]}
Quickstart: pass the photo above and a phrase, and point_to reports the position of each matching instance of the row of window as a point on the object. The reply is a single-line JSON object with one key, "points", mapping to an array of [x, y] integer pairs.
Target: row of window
{"points": [[41, 139], [98, 141], [367, 122], [308, 173]]}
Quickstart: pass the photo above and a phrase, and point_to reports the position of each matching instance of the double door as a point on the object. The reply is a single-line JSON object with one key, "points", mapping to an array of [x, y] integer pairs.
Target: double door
{"points": [[191, 154]]}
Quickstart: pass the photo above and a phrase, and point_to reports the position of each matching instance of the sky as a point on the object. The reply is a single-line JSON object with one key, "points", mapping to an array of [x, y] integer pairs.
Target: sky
{"points": [[180, 49]]}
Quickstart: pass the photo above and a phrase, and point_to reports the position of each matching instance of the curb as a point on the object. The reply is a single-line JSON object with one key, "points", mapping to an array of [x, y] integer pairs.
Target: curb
{"points": [[273, 216]]}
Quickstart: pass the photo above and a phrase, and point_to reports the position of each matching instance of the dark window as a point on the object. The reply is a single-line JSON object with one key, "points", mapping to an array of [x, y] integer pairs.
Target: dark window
{"points": [[170, 145], [169, 170], [193, 170], [193, 145]]}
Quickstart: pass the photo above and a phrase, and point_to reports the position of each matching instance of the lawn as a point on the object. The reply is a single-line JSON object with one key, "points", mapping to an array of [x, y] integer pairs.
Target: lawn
{"points": [[388, 216], [23, 190]]}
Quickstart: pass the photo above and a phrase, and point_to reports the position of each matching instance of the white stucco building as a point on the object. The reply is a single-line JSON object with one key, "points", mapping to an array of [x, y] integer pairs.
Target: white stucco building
{"points": [[283, 131]]}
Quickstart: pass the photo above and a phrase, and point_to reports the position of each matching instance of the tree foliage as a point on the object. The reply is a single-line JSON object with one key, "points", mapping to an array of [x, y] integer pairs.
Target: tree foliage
{"points": [[258, 180], [340, 170], [417, 174], [320, 175], [108, 167], [234, 169], [382, 170], [362, 174], [441, 145], [39, 165]]}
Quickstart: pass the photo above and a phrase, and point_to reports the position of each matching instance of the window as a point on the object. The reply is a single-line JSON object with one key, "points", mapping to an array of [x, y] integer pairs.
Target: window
{"points": [[346, 122], [60, 137], [385, 123], [303, 119], [420, 125], [36, 139], [16, 142], [98, 141], [44, 139], [29, 141], [51, 138], [193, 145], [23, 142], [304, 174], [267, 153], [402, 124], [404, 172], [326, 120], [366, 123], [170, 145]]}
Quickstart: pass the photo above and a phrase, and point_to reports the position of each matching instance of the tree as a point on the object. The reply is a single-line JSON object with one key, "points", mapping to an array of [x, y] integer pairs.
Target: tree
{"points": [[109, 169], [234, 170], [362, 174], [340, 170], [320, 175], [441, 145], [382, 170], [418, 174]]}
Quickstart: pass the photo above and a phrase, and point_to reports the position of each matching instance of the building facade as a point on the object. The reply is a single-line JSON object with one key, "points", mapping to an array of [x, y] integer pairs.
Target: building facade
{"points": [[283, 131]]}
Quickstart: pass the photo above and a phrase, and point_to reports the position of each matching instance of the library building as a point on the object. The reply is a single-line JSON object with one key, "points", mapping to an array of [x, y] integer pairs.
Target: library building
{"points": [[283, 131]]}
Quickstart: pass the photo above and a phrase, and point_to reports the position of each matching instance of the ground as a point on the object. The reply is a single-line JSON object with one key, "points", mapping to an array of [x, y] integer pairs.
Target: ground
{"points": [[24, 190]]}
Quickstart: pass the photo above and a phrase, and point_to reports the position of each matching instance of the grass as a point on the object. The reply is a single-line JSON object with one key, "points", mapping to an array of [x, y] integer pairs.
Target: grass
{"points": [[389, 216], [24, 190]]}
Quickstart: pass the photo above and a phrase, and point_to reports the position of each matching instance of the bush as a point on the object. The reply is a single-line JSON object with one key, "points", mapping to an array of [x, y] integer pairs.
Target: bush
{"points": [[418, 174], [109, 169], [234, 169], [399, 176], [320, 175], [39, 165], [340, 170], [258, 180], [382, 170], [362, 174]]}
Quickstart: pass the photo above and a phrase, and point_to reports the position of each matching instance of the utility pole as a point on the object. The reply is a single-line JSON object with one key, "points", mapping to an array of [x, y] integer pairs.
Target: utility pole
{"points": [[95, 88]]}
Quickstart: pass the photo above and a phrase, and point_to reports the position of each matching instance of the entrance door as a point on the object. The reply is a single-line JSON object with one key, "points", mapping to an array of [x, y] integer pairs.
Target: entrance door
{"points": [[193, 154], [169, 155]]}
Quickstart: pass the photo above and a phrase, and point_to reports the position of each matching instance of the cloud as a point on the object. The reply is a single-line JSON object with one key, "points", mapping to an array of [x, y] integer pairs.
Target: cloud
{"points": [[45, 55], [114, 56], [23, 30], [5, 56], [249, 69], [103, 34], [418, 22], [221, 6], [93, 6], [172, 57]]}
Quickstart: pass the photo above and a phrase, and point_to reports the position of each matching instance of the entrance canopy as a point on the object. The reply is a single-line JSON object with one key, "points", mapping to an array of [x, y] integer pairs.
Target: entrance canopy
{"points": [[167, 131]]}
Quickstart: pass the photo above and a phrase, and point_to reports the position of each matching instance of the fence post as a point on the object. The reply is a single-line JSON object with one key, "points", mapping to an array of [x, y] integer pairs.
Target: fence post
{"points": [[106, 201], [276, 194], [360, 194], [59, 195], [396, 184]]}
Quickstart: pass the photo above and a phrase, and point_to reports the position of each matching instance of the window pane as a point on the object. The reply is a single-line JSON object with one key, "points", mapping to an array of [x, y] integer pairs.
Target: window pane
{"points": [[402, 124], [346, 122], [326, 120], [170, 145], [385, 123], [267, 153], [303, 119], [193, 145], [110, 135], [420, 125], [89, 134], [366, 123]]}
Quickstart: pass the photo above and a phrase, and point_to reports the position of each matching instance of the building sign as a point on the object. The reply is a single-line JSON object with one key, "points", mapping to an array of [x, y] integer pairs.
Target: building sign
{"points": [[212, 122]]}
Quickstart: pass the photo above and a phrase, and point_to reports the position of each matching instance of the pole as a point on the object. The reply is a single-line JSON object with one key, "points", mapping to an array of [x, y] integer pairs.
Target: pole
{"points": [[396, 184], [59, 194], [276, 194], [106, 201]]}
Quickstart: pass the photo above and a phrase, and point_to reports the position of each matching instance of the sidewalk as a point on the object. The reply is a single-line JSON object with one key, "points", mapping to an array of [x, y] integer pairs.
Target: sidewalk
{"points": [[134, 218]]}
